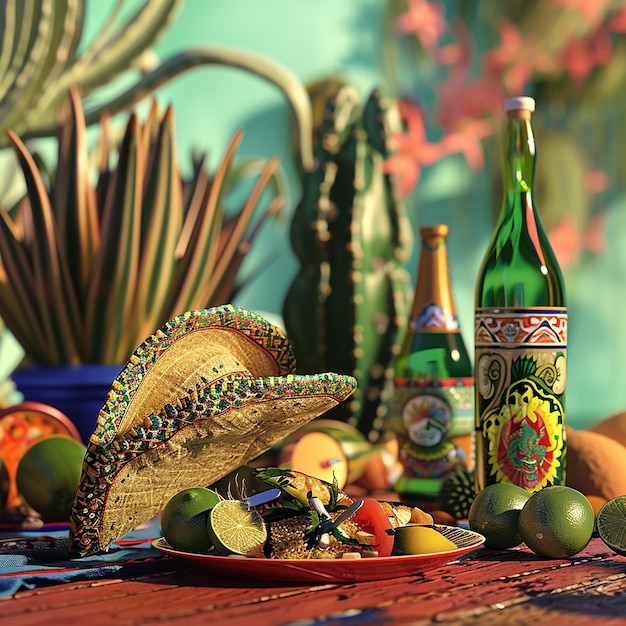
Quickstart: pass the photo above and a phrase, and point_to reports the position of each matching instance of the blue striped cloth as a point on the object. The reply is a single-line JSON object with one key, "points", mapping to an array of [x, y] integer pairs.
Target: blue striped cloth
{"points": [[30, 559]]}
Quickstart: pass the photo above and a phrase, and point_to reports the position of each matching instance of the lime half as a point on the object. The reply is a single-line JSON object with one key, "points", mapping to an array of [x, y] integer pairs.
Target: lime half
{"points": [[611, 524], [235, 530]]}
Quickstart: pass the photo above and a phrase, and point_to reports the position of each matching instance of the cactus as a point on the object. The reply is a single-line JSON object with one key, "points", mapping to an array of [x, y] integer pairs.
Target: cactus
{"points": [[42, 57], [347, 308]]}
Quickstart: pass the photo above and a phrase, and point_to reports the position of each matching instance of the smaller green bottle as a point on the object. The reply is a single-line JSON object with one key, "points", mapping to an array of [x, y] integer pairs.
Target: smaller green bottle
{"points": [[433, 381]]}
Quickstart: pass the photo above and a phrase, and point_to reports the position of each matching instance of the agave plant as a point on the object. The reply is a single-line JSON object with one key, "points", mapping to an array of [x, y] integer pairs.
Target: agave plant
{"points": [[43, 55], [89, 269]]}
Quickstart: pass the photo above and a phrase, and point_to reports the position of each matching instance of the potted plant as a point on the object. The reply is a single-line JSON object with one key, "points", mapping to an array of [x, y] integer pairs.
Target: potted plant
{"points": [[89, 268]]}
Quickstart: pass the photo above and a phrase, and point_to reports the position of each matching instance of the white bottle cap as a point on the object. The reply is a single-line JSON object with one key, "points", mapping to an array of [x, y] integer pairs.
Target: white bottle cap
{"points": [[520, 103]]}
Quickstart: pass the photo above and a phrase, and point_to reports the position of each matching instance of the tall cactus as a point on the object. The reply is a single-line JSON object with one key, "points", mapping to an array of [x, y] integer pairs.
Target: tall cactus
{"points": [[347, 308]]}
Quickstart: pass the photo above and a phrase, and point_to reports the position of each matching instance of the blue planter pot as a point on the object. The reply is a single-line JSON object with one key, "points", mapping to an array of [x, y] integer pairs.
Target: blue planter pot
{"points": [[78, 391]]}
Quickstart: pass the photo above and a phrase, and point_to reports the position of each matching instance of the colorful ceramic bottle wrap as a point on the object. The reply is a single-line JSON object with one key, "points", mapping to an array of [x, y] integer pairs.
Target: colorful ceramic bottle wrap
{"points": [[520, 373]]}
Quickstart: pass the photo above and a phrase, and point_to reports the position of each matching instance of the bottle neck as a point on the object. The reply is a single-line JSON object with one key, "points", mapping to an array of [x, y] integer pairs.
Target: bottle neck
{"points": [[518, 156], [518, 167], [434, 309]]}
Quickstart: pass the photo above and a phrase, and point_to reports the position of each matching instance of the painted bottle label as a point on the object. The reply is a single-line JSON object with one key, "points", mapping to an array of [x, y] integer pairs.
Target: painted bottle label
{"points": [[520, 373], [436, 432]]}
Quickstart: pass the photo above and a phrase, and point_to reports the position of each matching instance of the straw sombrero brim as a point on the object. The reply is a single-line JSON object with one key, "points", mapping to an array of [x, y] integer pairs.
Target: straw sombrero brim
{"points": [[206, 394]]}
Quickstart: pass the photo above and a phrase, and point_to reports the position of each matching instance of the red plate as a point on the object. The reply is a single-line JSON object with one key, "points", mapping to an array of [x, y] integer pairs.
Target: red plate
{"points": [[330, 570]]}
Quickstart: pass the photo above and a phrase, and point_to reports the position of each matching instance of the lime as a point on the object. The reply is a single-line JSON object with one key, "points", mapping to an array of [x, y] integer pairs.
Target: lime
{"points": [[611, 524], [235, 530], [48, 474], [418, 539], [494, 513], [184, 519], [557, 522]]}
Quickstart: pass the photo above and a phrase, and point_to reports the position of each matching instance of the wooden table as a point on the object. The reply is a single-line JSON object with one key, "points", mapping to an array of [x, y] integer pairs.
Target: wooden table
{"points": [[487, 588]]}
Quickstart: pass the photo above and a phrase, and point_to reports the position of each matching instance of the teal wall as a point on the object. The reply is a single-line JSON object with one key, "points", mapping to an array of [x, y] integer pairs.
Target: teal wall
{"points": [[319, 38]]}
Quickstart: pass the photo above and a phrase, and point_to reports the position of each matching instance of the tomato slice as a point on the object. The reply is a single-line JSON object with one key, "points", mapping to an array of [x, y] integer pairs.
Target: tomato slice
{"points": [[372, 519]]}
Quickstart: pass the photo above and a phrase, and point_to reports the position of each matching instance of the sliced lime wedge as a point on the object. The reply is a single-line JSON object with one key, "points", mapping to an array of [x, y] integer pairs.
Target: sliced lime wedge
{"points": [[611, 523], [234, 529]]}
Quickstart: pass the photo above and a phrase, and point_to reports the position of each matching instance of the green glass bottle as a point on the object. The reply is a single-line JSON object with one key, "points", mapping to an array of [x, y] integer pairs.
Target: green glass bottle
{"points": [[520, 332], [433, 381]]}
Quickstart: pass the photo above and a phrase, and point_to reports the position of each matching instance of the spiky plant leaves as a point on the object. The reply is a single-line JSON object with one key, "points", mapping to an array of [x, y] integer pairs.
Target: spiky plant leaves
{"points": [[73, 196], [203, 223], [108, 55], [57, 306], [17, 289], [161, 221], [110, 297], [232, 236], [86, 273]]}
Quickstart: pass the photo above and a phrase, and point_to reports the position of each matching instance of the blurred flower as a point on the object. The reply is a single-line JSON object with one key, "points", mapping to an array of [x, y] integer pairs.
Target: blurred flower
{"points": [[568, 241], [425, 20], [413, 150], [516, 59], [583, 54]]}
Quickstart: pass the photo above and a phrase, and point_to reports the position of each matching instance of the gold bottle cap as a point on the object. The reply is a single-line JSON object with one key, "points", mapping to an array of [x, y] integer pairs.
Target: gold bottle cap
{"points": [[519, 103], [436, 230]]}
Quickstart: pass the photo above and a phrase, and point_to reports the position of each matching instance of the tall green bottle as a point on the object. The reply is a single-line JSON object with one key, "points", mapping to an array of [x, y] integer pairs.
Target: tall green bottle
{"points": [[520, 332], [433, 381]]}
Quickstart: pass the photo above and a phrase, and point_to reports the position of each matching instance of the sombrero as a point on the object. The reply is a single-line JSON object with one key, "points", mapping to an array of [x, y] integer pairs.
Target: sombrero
{"points": [[208, 392]]}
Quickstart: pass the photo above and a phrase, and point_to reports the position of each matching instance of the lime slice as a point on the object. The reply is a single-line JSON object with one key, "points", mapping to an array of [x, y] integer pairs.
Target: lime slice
{"points": [[235, 530], [611, 524]]}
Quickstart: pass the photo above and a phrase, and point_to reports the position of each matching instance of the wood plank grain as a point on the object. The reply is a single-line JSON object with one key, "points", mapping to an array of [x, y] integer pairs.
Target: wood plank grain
{"points": [[492, 587]]}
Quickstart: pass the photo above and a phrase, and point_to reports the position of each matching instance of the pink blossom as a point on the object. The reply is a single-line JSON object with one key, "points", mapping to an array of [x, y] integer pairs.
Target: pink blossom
{"points": [[617, 21], [596, 181], [425, 20], [582, 55], [462, 99], [516, 59], [568, 241], [413, 150]]}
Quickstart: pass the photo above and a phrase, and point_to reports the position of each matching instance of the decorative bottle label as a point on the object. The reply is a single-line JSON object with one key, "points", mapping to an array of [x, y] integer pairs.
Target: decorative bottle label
{"points": [[438, 422], [520, 382], [436, 412]]}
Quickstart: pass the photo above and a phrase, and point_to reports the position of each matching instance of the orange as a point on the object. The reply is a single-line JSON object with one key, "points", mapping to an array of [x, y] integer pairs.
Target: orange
{"points": [[557, 522], [494, 513]]}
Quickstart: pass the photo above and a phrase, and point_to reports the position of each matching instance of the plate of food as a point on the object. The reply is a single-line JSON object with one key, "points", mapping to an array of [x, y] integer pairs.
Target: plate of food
{"points": [[330, 570], [299, 529]]}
